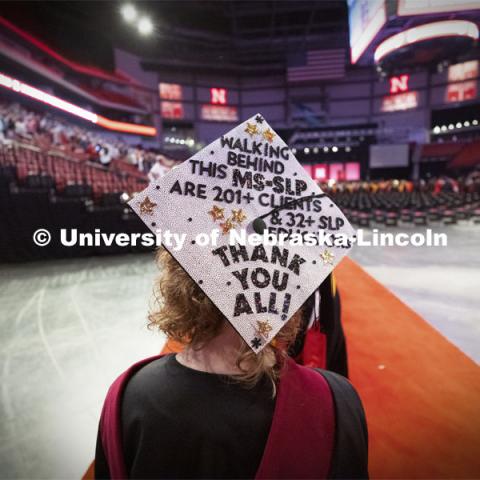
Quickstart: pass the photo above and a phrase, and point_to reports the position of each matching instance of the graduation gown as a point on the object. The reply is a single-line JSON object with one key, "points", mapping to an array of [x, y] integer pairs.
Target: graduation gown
{"points": [[320, 342], [318, 430]]}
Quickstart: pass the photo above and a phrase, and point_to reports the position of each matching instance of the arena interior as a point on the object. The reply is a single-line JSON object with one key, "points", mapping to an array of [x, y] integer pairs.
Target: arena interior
{"points": [[379, 101]]}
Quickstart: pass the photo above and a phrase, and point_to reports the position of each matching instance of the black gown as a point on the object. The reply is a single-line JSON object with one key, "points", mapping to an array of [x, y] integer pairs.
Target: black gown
{"points": [[328, 310], [182, 423]]}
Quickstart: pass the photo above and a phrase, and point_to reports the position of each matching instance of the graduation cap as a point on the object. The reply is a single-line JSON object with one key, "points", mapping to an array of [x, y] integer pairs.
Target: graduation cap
{"points": [[244, 183]]}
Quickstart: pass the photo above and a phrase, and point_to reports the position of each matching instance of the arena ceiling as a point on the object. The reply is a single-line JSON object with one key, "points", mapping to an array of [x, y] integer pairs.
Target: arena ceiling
{"points": [[233, 33]]}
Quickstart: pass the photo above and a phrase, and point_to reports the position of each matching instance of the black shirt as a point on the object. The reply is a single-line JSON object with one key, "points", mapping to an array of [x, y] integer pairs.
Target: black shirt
{"points": [[182, 423]]}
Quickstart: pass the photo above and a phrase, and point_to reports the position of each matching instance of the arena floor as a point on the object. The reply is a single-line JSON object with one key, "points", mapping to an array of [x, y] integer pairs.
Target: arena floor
{"points": [[439, 283], [69, 327]]}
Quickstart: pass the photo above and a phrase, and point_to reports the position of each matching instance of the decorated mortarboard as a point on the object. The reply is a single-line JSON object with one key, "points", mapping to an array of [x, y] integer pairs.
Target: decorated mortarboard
{"points": [[248, 182]]}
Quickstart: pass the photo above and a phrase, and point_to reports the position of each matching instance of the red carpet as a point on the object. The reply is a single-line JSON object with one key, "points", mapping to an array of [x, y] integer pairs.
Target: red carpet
{"points": [[421, 394]]}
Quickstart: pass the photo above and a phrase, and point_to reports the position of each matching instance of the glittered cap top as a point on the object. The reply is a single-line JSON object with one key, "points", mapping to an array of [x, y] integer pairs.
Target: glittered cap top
{"points": [[248, 181]]}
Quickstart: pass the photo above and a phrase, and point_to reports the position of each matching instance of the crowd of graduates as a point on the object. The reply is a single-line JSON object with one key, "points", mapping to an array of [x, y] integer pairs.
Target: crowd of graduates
{"points": [[466, 183]]}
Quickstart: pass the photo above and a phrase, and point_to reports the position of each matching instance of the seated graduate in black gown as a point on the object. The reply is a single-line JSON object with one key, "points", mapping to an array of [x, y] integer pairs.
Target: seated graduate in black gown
{"points": [[233, 403]]}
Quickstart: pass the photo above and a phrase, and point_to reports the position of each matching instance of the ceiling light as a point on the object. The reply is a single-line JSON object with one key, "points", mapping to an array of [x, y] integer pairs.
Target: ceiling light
{"points": [[325, 149], [129, 12], [334, 149], [306, 150], [436, 129], [145, 26], [466, 124]]}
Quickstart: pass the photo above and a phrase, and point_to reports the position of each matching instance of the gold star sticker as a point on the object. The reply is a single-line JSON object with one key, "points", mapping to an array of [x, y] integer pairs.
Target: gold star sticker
{"points": [[238, 215], [147, 206], [226, 226], [264, 328], [268, 135], [217, 213], [251, 129], [327, 257]]}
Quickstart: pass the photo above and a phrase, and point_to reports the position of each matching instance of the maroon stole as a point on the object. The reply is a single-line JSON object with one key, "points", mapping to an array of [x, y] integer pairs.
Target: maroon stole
{"points": [[301, 439], [314, 352]]}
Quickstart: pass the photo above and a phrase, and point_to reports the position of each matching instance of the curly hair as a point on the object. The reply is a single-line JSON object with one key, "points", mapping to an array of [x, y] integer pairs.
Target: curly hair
{"points": [[186, 315]]}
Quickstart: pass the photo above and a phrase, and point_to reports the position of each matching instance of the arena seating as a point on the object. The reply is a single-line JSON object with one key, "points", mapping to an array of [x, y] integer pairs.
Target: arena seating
{"points": [[40, 149], [37, 168], [418, 206]]}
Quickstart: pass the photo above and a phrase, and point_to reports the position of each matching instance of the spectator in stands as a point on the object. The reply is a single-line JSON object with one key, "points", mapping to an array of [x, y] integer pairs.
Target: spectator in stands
{"points": [[20, 128], [105, 156], [158, 170], [3, 128]]}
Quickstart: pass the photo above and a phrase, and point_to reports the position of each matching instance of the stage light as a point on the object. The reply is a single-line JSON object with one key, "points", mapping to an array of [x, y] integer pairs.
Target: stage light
{"points": [[126, 127], [466, 124], [145, 26], [348, 149], [458, 125], [45, 97], [436, 130], [443, 128], [474, 122], [325, 149], [334, 149], [124, 197], [129, 12], [306, 150], [450, 126], [315, 149]]}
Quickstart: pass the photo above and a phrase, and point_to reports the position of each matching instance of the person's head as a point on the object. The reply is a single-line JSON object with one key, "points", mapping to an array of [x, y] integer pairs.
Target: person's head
{"points": [[185, 314]]}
